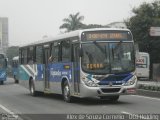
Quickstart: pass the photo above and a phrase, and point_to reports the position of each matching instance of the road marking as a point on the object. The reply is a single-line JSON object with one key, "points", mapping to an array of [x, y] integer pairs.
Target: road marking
{"points": [[7, 110], [10, 112], [146, 97]]}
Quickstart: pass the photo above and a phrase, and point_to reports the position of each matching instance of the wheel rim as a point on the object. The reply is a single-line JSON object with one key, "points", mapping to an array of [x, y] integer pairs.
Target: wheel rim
{"points": [[66, 92]]}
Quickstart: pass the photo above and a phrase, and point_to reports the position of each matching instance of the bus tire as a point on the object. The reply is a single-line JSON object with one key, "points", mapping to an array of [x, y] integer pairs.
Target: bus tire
{"points": [[32, 88], [15, 80], [66, 92]]}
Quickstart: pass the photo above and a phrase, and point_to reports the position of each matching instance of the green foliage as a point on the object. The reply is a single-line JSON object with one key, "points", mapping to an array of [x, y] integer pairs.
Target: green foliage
{"points": [[146, 87], [73, 22], [156, 88], [140, 86], [146, 16], [153, 88], [149, 87]]}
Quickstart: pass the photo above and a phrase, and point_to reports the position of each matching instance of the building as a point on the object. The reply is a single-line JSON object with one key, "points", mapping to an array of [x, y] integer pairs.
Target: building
{"points": [[117, 25], [3, 34]]}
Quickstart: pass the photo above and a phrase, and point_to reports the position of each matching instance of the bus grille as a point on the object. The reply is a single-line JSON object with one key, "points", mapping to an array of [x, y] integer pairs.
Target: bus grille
{"points": [[110, 90], [115, 79]]}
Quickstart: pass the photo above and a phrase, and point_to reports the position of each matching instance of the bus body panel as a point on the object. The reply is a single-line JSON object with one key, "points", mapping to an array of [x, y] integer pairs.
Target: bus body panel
{"points": [[3, 74], [3, 67], [56, 71], [34, 72]]}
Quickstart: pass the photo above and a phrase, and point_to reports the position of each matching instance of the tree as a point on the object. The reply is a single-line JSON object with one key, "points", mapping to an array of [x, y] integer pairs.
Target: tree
{"points": [[145, 16], [73, 22]]}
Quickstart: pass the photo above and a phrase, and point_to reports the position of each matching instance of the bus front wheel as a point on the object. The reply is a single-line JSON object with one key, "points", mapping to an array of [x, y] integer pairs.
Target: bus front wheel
{"points": [[16, 80], [66, 92]]}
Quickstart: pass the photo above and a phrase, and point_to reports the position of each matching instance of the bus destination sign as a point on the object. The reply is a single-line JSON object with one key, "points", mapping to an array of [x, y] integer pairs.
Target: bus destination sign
{"points": [[106, 36]]}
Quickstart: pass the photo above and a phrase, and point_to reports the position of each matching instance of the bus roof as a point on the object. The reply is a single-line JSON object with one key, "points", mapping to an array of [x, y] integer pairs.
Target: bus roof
{"points": [[69, 35]]}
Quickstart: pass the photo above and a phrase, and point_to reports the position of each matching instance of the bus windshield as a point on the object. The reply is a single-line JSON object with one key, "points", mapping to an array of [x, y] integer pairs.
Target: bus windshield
{"points": [[108, 58]]}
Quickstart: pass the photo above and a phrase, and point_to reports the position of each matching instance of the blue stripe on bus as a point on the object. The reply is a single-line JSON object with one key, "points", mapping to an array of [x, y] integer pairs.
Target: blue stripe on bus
{"points": [[3, 74], [25, 72], [55, 72], [116, 79], [59, 70]]}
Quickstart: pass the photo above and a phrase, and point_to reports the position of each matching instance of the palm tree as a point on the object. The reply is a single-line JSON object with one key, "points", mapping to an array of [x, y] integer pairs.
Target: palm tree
{"points": [[73, 22]]}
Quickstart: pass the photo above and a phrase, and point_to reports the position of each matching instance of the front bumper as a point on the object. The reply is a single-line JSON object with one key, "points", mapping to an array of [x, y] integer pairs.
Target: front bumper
{"points": [[86, 91]]}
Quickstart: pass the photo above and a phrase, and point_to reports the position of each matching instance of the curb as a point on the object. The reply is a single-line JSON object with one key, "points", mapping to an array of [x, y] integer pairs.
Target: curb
{"points": [[148, 93]]}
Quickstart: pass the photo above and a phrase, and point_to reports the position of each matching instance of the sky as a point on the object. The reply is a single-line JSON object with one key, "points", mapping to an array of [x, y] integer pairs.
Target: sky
{"points": [[30, 20]]}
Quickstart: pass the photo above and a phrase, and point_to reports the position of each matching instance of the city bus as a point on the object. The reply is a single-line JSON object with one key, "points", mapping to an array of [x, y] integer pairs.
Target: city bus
{"points": [[143, 65], [15, 62], [3, 68], [83, 63]]}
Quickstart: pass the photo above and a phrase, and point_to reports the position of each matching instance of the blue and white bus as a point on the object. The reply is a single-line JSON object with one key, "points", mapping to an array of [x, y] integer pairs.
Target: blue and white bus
{"points": [[15, 63], [3, 68], [84, 63]]}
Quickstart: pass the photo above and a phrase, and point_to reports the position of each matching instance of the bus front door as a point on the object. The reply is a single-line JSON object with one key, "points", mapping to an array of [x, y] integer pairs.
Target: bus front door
{"points": [[46, 81], [76, 68]]}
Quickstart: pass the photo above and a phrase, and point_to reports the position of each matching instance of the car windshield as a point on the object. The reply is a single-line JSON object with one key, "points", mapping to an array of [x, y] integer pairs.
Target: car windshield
{"points": [[106, 58]]}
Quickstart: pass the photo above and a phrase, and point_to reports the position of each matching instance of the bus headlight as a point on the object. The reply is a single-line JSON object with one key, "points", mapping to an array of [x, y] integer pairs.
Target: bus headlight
{"points": [[90, 83], [131, 81]]}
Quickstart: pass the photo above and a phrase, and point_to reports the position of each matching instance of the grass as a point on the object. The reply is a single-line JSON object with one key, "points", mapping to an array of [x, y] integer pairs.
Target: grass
{"points": [[149, 87]]}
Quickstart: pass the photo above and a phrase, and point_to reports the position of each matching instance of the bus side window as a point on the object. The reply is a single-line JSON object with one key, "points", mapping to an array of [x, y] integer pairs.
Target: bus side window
{"points": [[20, 56], [54, 52], [30, 55], [66, 51], [39, 54], [24, 56]]}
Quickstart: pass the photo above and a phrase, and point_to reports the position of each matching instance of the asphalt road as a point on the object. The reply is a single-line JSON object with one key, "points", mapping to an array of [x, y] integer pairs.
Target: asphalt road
{"points": [[15, 99]]}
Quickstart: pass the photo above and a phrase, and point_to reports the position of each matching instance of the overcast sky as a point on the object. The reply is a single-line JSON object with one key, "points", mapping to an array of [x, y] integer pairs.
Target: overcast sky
{"points": [[30, 20]]}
